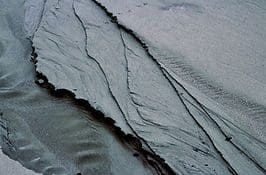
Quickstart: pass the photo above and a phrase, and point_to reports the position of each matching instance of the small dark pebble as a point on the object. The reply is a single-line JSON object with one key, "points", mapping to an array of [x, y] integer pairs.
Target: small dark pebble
{"points": [[1, 113], [79, 174], [206, 165], [228, 139], [136, 155]]}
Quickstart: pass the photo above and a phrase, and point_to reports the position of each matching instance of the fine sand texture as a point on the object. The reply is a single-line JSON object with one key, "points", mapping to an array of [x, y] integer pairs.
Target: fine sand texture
{"points": [[49, 135], [187, 78], [133, 87]]}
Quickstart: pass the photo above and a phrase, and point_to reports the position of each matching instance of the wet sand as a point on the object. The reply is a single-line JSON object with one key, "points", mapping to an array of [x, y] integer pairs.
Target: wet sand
{"points": [[134, 87], [11, 167], [46, 134]]}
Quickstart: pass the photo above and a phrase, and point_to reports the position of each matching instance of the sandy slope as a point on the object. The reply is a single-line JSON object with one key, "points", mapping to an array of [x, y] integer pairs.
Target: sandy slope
{"points": [[186, 77], [47, 134], [10, 167]]}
